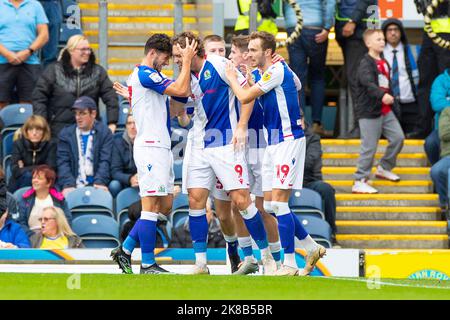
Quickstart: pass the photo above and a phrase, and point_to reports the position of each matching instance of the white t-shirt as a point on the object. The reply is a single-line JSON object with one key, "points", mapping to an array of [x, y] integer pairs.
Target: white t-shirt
{"points": [[33, 221]]}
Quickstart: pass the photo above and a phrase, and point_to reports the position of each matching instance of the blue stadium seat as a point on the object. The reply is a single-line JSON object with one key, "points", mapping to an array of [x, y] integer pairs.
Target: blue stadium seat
{"points": [[306, 201], [318, 229], [89, 200], [19, 192], [7, 144], [97, 231], [124, 109], [66, 32], [14, 116], [65, 6], [8, 169], [124, 199], [181, 219], [178, 171]]}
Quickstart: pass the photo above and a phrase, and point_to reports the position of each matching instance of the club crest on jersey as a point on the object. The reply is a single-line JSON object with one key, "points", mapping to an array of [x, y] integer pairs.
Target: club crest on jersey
{"points": [[207, 74], [266, 76], [155, 77], [162, 189], [149, 167]]}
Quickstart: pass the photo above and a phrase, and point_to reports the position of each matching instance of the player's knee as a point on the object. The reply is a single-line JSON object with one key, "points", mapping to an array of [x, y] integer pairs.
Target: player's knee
{"points": [[268, 206]]}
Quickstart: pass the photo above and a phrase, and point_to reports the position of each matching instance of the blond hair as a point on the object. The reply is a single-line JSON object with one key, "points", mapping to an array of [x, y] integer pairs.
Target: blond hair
{"points": [[61, 221], [72, 43], [36, 122]]}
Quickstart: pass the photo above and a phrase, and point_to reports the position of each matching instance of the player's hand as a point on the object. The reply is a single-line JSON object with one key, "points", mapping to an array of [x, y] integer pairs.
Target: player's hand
{"points": [[189, 51], [121, 90], [230, 71], [322, 36], [247, 72], [349, 29], [388, 99], [239, 138], [277, 58]]}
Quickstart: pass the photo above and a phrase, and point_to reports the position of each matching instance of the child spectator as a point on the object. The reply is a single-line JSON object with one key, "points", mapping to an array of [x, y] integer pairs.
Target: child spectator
{"points": [[33, 147], [375, 104], [42, 194]]}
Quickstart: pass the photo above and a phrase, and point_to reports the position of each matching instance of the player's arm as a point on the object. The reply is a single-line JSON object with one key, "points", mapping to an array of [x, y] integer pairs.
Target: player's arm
{"points": [[244, 94], [181, 87]]}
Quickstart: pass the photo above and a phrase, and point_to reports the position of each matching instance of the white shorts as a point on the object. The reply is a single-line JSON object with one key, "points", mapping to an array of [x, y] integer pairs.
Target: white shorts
{"points": [[186, 157], [283, 165], [228, 166], [155, 171]]}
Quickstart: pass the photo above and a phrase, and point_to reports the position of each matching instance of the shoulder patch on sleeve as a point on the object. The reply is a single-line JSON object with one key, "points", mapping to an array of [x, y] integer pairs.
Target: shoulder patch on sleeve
{"points": [[155, 77], [267, 76]]}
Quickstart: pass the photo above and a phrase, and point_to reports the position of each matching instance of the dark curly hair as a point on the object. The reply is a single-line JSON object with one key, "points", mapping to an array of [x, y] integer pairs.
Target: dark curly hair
{"points": [[181, 40], [160, 42]]}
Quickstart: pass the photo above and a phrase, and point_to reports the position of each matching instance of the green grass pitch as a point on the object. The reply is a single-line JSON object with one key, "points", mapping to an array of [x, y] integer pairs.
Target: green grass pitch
{"points": [[186, 287]]}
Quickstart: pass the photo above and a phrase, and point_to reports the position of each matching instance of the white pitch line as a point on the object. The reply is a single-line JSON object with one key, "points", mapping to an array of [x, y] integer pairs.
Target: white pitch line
{"points": [[384, 283]]}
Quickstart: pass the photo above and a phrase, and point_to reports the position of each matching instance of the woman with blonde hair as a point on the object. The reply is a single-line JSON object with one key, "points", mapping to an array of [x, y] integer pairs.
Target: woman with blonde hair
{"points": [[75, 74], [55, 232], [32, 147]]}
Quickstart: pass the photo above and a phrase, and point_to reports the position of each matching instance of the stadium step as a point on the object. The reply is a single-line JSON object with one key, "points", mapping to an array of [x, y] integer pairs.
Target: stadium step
{"points": [[351, 159], [393, 241], [354, 145], [389, 213], [405, 173], [391, 200], [389, 227], [383, 186]]}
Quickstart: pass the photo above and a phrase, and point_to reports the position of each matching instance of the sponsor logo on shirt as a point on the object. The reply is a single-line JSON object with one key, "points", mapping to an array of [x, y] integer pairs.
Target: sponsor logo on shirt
{"points": [[207, 74], [149, 167], [266, 77], [155, 77]]}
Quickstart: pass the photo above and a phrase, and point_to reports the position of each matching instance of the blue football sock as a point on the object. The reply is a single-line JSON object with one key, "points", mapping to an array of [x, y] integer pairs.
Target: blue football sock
{"points": [[132, 239], [246, 245], [286, 227], [255, 226], [198, 226], [147, 237], [300, 232]]}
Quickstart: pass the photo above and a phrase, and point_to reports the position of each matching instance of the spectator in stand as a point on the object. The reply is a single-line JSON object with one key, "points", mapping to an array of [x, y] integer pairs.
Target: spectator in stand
{"points": [[11, 202], [181, 235], [54, 13], [432, 61], [33, 147], [439, 171], [75, 74], [404, 75], [313, 178], [42, 194], [375, 105], [23, 31], [440, 100], [352, 19], [309, 52], [11, 234], [55, 232], [123, 168], [84, 150]]}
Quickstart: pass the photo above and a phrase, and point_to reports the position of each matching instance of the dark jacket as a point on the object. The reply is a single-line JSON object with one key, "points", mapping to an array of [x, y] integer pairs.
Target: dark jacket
{"points": [[32, 156], [60, 85], [67, 155], [356, 10], [368, 92], [26, 204], [13, 233], [181, 236], [313, 161], [74, 241], [411, 65], [13, 207], [122, 161]]}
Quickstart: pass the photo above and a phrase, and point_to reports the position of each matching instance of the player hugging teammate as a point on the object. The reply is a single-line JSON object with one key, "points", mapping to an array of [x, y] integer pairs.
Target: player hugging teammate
{"points": [[224, 103]]}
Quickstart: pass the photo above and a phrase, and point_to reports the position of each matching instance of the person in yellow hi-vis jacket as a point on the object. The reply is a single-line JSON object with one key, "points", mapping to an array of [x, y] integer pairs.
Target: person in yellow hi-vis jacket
{"points": [[265, 17]]}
